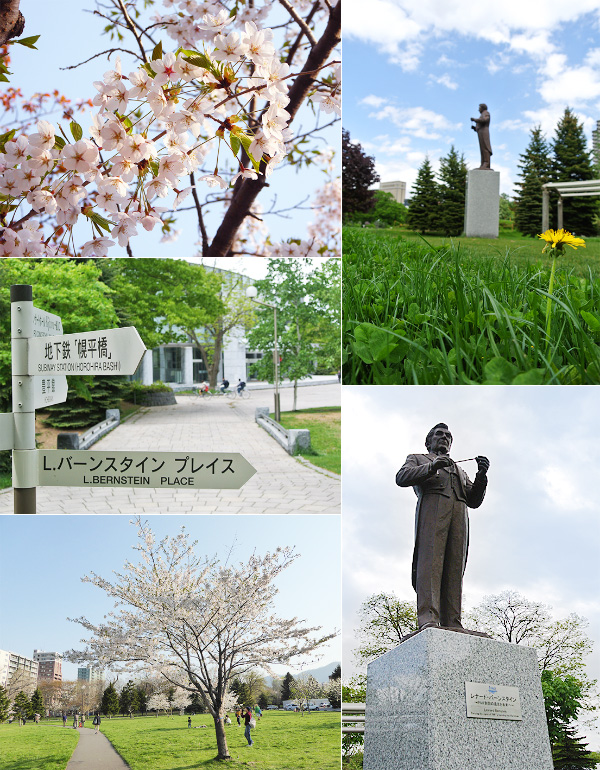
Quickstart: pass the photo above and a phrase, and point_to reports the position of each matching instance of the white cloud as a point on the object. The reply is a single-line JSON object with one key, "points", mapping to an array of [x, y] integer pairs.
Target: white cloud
{"points": [[373, 101], [394, 25], [445, 80], [415, 121]]}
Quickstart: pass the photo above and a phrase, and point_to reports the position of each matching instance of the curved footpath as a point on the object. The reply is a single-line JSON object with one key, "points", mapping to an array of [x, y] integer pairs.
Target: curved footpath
{"points": [[281, 485], [95, 752]]}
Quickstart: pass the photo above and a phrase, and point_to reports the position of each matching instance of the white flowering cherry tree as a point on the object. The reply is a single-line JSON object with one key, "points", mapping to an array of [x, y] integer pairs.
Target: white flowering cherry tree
{"points": [[211, 119], [194, 622]]}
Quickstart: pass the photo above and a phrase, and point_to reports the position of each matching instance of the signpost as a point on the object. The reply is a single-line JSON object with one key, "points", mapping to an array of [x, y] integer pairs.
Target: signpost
{"points": [[42, 356], [109, 351], [196, 470]]}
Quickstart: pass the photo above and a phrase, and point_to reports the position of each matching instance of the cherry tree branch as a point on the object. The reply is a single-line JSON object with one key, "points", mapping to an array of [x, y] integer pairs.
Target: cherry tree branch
{"points": [[245, 195], [299, 21]]}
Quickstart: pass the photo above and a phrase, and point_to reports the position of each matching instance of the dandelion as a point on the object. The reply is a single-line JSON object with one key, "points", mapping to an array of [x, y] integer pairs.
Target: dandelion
{"points": [[557, 240]]}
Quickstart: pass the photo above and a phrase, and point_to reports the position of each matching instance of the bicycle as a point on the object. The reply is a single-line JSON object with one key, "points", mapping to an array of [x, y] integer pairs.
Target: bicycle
{"points": [[199, 394]]}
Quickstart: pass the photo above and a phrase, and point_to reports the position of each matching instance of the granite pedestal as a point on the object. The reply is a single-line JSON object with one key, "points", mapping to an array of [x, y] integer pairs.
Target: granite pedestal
{"points": [[482, 204], [416, 707]]}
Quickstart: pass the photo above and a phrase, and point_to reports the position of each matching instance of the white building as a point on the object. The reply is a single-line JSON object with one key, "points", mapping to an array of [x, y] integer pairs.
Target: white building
{"points": [[11, 662], [397, 189]]}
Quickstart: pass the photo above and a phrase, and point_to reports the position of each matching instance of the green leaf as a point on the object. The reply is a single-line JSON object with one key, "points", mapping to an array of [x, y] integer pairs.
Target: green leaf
{"points": [[76, 130], [591, 320], [246, 142], [372, 343], [28, 42], [198, 60], [235, 144], [499, 371], [59, 142], [158, 52], [4, 138], [532, 377], [100, 222]]}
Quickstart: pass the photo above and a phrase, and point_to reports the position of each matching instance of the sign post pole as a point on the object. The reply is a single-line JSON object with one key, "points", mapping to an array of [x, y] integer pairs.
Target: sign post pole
{"points": [[24, 453]]}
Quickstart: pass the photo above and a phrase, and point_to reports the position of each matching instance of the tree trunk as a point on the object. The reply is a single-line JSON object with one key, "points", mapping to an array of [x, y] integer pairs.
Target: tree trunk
{"points": [[295, 395], [223, 751], [12, 22]]}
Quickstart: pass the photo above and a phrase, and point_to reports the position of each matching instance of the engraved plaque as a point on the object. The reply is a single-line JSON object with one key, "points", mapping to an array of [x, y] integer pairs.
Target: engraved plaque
{"points": [[492, 701]]}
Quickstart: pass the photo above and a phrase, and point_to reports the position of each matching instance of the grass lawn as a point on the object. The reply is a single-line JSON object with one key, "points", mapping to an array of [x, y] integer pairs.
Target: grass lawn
{"points": [[454, 312], [324, 424], [282, 741], [522, 249], [36, 747]]}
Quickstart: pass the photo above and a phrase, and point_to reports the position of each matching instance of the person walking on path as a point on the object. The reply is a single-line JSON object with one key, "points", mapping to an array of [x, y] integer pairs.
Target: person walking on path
{"points": [[64, 720], [96, 723], [75, 721], [249, 723]]}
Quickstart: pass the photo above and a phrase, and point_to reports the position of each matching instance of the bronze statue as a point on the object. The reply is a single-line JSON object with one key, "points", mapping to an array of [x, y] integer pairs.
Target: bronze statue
{"points": [[482, 127], [441, 526]]}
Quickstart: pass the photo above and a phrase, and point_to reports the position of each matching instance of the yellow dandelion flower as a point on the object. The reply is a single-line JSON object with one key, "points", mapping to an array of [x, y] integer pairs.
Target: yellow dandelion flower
{"points": [[558, 239]]}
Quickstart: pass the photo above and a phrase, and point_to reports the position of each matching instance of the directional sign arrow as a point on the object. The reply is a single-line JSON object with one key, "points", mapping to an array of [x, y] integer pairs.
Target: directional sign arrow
{"points": [[49, 390], [6, 431], [173, 470], [46, 324], [108, 351]]}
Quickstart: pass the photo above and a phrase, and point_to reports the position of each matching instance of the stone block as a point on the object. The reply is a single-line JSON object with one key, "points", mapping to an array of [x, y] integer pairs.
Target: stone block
{"points": [[416, 706], [482, 204]]}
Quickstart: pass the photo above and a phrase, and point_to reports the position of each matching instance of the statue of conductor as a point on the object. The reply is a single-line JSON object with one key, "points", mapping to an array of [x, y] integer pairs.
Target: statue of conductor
{"points": [[441, 526], [482, 127]]}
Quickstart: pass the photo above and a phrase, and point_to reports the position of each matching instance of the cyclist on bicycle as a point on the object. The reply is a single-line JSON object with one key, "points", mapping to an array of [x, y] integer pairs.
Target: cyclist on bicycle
{"points": [[240, 386], [224, 385]]}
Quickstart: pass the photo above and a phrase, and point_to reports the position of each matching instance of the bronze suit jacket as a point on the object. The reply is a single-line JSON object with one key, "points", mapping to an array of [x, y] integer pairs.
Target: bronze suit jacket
{"points": [[414, 474]]}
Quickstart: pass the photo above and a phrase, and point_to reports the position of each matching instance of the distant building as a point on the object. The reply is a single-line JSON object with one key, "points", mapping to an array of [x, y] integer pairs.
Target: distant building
{"points": [[90, 674], [11, 662], [397, 189], [50, 665]]}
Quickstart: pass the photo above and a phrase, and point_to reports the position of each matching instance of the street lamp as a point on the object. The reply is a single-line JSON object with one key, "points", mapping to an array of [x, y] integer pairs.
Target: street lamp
{"points": [[252, 293]]}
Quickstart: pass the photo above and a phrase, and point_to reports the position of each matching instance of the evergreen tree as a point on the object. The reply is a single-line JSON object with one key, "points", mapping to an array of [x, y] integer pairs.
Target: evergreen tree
{"points": [[110, 701], [4, 704], [358, 174], [286, 687], [22, 706], [572, 163], [263, 701], [452, 192], [423, 213], [142, 699], [196, 706], [37, 703], [128, 700], [87, 402], [536, 170], [570, 752], [336, 673]]}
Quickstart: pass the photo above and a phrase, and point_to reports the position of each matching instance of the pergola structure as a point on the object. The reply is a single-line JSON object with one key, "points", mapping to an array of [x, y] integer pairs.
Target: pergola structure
{"points": [[565, 190]]}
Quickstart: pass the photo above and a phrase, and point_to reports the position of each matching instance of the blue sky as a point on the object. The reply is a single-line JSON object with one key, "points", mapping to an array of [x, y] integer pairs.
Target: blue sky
{"points": [[43, 558], [537, 531], [415, 73], [73, 35]]}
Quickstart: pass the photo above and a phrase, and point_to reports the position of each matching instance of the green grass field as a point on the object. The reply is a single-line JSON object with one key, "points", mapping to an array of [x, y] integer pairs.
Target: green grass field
{"points": [[419, 313], [47, 746], [522, 249], [282, 741], [325, 425]]}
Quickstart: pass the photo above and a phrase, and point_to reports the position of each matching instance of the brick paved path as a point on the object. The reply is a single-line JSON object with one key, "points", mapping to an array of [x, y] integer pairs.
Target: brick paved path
{"points": [[281, 485]]}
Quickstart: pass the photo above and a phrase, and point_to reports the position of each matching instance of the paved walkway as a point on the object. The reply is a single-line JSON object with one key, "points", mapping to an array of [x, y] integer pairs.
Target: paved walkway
{"points": [[95, 752], [281, 484]]}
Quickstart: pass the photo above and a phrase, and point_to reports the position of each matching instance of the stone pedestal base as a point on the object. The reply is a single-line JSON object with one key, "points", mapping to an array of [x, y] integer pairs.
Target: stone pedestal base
{"points": [[482, 204], [416, 712]]}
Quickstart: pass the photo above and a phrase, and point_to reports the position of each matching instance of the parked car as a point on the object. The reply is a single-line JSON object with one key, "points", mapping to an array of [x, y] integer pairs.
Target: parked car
{"points": [[271, 708]]}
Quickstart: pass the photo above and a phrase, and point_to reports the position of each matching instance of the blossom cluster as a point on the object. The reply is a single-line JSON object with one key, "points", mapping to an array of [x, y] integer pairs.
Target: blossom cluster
{"points": [[114, 178]]}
